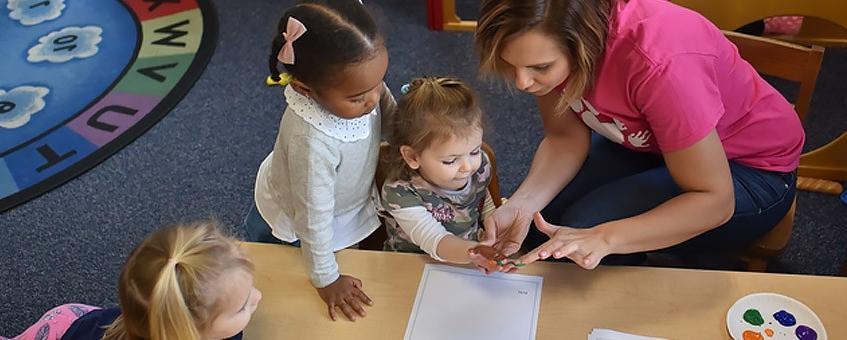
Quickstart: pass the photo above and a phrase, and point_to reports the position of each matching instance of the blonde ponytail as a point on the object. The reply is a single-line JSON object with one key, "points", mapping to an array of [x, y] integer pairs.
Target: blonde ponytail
{"points": [[165, 288], [170, 317]]}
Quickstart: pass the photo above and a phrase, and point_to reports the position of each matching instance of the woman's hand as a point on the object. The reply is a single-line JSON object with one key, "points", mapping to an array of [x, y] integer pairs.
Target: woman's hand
{"points": [[586, 247], [509, 224], [346, 295]]}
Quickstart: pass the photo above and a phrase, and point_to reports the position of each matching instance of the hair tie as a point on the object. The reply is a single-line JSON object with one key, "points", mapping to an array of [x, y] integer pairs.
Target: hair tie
{"points": [[405, 88], [293, 30], [284, 79]]}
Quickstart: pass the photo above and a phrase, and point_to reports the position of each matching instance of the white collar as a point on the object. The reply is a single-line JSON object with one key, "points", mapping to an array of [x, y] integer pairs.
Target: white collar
{"points": [[345, 130]]}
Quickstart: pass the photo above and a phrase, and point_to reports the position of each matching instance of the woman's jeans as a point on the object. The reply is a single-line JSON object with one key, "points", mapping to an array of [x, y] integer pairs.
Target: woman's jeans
{"points": [[615, 183]]}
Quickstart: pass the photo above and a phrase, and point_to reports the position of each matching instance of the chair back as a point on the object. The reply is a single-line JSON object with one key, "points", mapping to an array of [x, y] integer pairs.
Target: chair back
{"points": [[825, 20], [785, 60]]}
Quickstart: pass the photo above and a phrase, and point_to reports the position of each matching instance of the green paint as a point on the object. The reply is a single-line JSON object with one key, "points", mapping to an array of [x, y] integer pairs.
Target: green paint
{"points": [[753, 317], [516, 264]]}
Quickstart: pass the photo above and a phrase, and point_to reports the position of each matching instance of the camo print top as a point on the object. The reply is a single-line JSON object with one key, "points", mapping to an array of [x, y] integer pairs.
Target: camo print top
{"points": [[458, 211]]}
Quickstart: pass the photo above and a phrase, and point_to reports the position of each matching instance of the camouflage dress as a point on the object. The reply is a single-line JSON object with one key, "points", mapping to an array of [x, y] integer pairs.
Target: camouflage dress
{"points": [[458, 211]]}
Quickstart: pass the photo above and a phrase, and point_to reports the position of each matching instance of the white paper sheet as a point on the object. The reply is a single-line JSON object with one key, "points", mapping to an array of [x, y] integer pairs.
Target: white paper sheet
{"points": [[608, 334], [460, 303]]}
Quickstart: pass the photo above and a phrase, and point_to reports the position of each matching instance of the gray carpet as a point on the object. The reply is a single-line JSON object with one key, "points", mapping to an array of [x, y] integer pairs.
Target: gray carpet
{"points": [[201, 160]]}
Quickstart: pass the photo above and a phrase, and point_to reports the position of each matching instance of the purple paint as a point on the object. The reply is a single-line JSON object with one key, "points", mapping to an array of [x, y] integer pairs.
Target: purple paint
{"points": [[785, 319], [803, 332]]}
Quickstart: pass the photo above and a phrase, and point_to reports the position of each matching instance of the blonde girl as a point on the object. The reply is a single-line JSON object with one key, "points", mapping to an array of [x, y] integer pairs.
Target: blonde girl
{"points": [[186, 281], [436, 187]]}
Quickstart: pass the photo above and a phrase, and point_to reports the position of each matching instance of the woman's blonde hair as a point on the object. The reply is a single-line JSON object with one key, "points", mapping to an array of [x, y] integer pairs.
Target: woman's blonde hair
{"points": [[433, 110], [167, 286], [579, 26]]}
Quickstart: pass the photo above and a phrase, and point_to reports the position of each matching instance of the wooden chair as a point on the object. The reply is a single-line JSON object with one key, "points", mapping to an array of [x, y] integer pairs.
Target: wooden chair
{"points": [[825, 25], [789, 61], [441, 15], [377, 238], [825, 21], [792, 62]]}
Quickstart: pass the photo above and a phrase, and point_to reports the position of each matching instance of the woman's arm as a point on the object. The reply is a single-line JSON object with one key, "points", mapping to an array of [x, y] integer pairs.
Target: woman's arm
{"points": [[559, 155], [707, 201], [558, 158]]}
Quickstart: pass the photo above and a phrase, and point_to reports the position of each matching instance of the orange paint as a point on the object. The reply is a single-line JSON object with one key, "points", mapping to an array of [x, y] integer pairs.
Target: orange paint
{"points": [[751, 335], [769, 332]]}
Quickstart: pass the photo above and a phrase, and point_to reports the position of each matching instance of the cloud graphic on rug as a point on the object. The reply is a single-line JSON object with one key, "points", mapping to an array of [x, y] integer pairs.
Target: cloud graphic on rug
{"points": [[19, 104], [31, 13], [66, 44]]}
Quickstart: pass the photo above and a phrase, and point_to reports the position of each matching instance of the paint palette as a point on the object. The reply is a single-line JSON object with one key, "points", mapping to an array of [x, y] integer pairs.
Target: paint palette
{"points": [[765, 316]]}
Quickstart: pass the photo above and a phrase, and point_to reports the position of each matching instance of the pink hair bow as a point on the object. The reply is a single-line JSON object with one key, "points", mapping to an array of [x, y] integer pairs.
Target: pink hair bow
{"points": [[293, 30]]}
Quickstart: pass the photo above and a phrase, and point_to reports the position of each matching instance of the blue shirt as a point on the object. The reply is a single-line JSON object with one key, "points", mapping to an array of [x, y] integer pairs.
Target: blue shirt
{"points": [[93, 324]]}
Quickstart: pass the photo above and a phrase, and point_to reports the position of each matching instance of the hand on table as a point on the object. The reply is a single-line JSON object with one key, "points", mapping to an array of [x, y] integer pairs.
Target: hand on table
{"points": [[346, 295], [586, 247]]}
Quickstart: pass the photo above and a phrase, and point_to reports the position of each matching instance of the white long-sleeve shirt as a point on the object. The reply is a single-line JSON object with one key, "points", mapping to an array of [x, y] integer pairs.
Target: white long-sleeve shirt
{"points": [[317, 184]]}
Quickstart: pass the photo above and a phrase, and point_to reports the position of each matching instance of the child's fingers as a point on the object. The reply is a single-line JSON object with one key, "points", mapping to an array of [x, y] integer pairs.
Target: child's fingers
{"points": [[363, 297], [353, 302], [332, 314], [348, 311]]}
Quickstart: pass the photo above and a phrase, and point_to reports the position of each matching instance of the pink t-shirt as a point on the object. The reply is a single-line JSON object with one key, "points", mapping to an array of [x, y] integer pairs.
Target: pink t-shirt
{"points": [[669, 76]]}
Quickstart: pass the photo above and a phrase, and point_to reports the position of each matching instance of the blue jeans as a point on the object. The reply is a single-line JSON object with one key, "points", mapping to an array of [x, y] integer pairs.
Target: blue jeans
{"points": [[615, 183], [259, 231]]}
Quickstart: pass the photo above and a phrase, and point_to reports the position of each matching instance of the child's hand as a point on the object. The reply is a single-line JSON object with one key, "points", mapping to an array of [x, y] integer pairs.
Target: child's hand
{"points": [[486, 258], [345, 294]]}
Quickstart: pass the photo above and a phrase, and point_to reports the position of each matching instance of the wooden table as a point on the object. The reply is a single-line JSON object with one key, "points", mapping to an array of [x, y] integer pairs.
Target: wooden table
{"points": [[670, 303]]}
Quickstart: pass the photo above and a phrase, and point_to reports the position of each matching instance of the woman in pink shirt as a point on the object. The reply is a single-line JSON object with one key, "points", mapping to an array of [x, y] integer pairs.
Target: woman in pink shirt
{"points": [[658, 136]]}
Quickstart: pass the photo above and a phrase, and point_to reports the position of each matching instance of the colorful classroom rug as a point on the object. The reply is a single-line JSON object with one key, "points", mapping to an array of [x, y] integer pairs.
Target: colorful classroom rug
{"points": [[79, 80]]}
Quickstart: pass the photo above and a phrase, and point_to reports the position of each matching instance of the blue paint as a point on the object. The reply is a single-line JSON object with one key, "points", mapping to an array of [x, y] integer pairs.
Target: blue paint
{"points": [[785, 319]]}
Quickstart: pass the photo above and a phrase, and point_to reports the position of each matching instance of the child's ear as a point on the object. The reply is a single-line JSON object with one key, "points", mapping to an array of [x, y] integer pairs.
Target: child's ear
{"points": [[301, 88], [410, 156]]}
